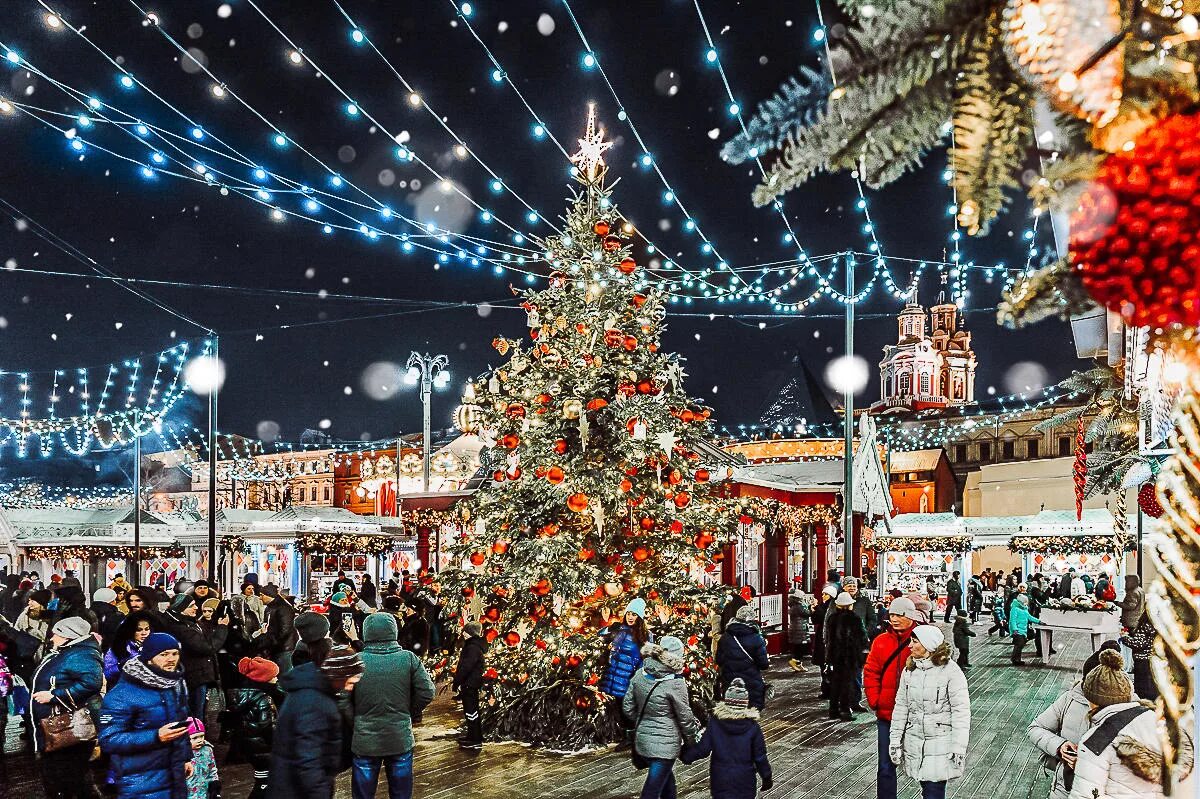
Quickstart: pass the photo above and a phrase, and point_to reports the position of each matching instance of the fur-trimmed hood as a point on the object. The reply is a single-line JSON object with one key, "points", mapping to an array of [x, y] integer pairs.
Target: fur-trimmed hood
{"points": [[939, 657], [658, 661], [1146, 761], [724, 712]]}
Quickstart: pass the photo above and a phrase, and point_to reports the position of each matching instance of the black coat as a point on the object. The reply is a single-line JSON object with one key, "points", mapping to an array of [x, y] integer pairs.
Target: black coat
{"points": [[742, 652], [251, 715], [369, 593], [469, 673], [109, 619], [306, 754], [199, 656], [415, 635], [280, 619], [847, 641]]}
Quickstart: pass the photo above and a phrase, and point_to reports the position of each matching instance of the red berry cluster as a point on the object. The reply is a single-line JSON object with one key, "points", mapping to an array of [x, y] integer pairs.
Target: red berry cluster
{"points": [[1148, 501], [1135, 237]]}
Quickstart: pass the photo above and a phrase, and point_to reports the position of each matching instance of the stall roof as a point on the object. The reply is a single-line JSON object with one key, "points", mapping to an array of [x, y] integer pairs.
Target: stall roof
{"points": [[78, 517], [933, 524], [824, 475], [1065, 522], [434, 500], [316, 513], [916, 460]]}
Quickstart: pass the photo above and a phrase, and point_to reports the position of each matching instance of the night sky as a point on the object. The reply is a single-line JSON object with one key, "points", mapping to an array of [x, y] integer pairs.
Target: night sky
{"points": [[171, 230]]}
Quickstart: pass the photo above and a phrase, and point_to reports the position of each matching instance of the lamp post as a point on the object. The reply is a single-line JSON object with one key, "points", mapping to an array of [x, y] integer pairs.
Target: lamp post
{"points": [[429, 371]]}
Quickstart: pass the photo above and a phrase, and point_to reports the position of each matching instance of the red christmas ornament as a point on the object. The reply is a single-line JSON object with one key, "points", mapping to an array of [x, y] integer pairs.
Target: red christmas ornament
{"points": [[587, 554], [702, 475], [513, 473], [560, 446], [676, 527], [490, 674], [491, 635], [548, 530], [641, 553], [627, 265], [703, 541], [612, 243], [540, 644], [596, 404], [574, 660], [626, 485], [500, 547], [510, 441], [512, 638], [682, 499], [647, 523], [544, 399], [613, 338], [498, 476], [630, 343], [477, 558], [555, 475], [542, 587], [1148, 501], [492, 614], [601, 227], [578, 502], [516, 410], [1135, 237], [747, 593]]}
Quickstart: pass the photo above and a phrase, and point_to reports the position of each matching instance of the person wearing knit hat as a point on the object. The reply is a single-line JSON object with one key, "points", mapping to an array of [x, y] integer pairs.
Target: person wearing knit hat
{"points": [[312, 626], [468, 679], [342, 667], [882, 674], [279, 635], [742, 652], [658, 707], [626, 637], [735, 740], [846, 641], [342, 627], [34, 619], [258, 669], [144, 723], [1121, 755], [70, 630], [104, 595], [931, 721], [1020, 622], [393, 692]]}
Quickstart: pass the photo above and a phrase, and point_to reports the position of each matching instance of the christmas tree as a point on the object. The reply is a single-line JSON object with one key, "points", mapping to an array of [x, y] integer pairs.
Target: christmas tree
{"points": [[598, 494]]}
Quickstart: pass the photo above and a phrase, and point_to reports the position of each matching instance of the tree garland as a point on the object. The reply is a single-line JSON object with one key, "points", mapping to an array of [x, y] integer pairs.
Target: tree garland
{"points": [[344, 543], [101, 552], [923, 543], [1069, 544]]}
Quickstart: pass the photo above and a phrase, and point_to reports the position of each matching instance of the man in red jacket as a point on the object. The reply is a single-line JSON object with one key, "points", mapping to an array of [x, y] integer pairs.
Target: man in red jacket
{"points": [[881, 678]]}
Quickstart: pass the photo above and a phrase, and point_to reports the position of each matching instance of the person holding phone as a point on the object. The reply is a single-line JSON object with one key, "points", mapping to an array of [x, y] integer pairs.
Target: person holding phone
{"points": [[144, 723]]}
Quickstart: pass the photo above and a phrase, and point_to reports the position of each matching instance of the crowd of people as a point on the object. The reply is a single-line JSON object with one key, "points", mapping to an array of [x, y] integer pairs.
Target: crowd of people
{"points": [[130, 678]]}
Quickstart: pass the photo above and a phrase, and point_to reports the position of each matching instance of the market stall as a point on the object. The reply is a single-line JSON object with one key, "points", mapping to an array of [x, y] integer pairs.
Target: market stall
{"points": [[1055, 541], [924, 546]]}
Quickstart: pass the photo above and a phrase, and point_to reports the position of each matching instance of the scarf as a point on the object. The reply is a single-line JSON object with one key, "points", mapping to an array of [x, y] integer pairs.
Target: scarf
{"points": [[152, 677]]}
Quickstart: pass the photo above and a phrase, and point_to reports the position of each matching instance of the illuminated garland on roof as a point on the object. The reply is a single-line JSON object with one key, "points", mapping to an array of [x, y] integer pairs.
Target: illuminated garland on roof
{"points": [[1070, 544], [344, 543], [792, 520], [922, 543], [100, 552]]}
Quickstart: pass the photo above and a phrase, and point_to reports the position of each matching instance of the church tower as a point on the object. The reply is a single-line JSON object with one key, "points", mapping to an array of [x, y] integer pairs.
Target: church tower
{"points": [[921, 370]]}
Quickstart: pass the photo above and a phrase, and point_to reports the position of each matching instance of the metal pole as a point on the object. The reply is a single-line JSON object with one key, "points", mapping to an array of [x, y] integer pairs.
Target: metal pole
{"points": [[212, 470], [1138, 560], [426, 392], [137, 501], [848, 430]]}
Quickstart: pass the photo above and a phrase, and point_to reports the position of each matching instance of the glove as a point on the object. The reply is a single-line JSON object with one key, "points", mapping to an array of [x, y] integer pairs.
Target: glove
{"points": [[958, 761], [896, 753], [767, 784]]}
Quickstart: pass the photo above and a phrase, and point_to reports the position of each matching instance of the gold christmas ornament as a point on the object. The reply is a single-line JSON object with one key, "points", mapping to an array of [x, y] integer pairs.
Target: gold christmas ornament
{"points": [[572, 408], [1048, 40], [467, 417]]}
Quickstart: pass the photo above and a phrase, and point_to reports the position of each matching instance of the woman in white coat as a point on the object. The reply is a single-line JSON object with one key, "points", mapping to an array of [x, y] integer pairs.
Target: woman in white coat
{"points": [[932, 720], [1120, 756]]}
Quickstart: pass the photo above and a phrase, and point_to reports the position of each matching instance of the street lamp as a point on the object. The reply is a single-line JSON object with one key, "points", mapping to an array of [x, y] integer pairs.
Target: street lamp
{"points": [[431, 372]]}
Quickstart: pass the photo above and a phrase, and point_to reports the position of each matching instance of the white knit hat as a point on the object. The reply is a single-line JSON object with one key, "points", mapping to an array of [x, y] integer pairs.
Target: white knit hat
{"points": [[901, 606], [844, 600], [929, 636], [830, 589]]}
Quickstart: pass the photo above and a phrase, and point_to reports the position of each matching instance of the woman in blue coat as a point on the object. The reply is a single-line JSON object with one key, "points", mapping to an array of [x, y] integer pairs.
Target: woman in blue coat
{"points": [[625, 650], [737, 746], [144, 721]]}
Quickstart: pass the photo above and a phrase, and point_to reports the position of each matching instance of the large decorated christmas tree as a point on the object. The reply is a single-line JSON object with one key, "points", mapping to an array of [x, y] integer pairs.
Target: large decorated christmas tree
{"points": [[598, 493]]}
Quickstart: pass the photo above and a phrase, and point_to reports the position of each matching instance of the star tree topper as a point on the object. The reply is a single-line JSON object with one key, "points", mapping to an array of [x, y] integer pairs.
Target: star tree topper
{"points": [[590, 158]]}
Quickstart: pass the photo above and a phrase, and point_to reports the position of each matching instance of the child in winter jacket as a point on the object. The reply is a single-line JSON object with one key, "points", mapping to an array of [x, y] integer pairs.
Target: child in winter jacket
{"points": [[1019, 623], [962, 639], [735, 741], [202, 782], [1140, 641]]}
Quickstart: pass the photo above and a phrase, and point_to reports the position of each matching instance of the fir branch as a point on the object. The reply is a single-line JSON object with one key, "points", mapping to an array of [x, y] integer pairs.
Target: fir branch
{"points": [[798, 104], [1063, 179], [1055, 290]]}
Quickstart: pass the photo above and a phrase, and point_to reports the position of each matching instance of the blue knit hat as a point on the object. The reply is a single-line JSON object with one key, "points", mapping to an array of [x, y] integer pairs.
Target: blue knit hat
{"points": [[638, 607], [156, 644]]}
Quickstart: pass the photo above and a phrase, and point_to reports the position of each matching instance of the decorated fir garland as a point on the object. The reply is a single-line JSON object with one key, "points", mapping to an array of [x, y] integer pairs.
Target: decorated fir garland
{"points": [[234, 543], [429, 518], [344, 543], [101, 552], [1069, 544], [792, 520], [922, 543]]}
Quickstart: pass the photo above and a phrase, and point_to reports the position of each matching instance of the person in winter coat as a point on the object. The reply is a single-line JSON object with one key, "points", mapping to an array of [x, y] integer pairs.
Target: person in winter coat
{"points": [[1120, 756], [199, 651], [107, 616], [144, 724], [1133, 604], [742, 652], [932, 719], [962, 639], [737, 746], [250, 714], [35, 620], [70, 676], [341, 620], [306, 754], [862, 607], [1140, 641], [1019, 623], [800, 610], [1104, 588], [657, 704], [468, 679], [1064, 584], [279, 623], [415, 634], [368, 592], [881, 679], [954, 596], [127, 642], [6, 686], [999, 617], [203, 781], [820, 611], [626, 639], [395, 689], [1058, 729], [974, 598], [847, 643], [735, 603]]}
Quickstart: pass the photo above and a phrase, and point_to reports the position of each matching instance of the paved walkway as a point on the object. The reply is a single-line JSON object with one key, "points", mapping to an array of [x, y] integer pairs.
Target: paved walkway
{"points": [[813, 757]]}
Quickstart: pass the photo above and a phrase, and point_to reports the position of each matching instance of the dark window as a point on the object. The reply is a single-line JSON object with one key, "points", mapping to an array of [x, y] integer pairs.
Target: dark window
{"points": [[960, 453], [1033, 448], [1065, 446], [327, 490], [1008, 450], [985, 451]]}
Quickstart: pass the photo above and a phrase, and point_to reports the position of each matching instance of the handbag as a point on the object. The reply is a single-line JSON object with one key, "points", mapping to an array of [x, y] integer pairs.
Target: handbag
{"points": [[640, 762], [67, 726]]}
